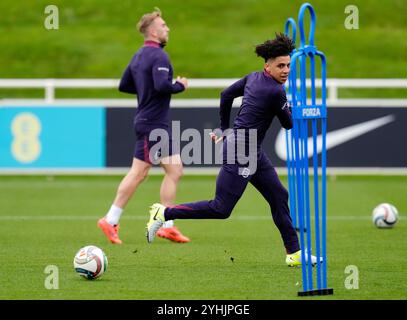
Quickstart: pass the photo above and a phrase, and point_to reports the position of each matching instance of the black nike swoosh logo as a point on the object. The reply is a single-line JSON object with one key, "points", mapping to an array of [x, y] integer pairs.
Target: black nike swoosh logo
{"points": [[155, 216]]}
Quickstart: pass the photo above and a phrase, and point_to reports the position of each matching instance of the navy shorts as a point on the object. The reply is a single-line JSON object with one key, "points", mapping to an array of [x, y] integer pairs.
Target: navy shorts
{"points": [[153, 145]]}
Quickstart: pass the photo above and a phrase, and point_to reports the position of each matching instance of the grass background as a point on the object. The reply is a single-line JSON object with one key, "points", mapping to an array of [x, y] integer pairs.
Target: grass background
{"points": [[46, 219], [208, 39]]}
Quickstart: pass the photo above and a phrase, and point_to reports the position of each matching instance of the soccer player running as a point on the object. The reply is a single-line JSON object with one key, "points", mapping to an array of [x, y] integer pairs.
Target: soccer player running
{"points": [[149, 75], [264, 99]]}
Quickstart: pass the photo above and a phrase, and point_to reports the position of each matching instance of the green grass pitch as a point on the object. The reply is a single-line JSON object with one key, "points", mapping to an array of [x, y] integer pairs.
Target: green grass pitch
{"points": [[44, 220]]}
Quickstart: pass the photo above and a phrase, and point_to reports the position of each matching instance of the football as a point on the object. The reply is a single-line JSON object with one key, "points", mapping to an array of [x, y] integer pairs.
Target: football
{"points": [[385, 215], [90, 262]]}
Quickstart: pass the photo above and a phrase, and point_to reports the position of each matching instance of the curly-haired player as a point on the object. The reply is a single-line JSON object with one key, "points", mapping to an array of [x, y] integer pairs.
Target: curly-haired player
{"points": [[264, 99]]}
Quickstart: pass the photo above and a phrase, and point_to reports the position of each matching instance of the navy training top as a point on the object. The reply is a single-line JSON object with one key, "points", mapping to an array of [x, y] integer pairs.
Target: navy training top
{"points": [[263, 99], [149, 75]]}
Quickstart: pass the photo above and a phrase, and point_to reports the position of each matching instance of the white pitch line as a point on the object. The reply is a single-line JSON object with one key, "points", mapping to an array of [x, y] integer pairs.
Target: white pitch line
{"points": [[90, 218]]}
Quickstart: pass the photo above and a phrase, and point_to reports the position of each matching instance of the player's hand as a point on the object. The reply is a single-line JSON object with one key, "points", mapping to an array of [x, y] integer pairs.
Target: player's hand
{"points": [[182, 80], [215, 138]]}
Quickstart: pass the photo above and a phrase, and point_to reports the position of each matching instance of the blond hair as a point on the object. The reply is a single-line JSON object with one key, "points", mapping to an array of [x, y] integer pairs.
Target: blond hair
{"points": [[147, 19]]}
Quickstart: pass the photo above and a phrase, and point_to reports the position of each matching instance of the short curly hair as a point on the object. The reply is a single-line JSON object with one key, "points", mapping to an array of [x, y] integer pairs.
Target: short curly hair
{"points": [[280, 46]]}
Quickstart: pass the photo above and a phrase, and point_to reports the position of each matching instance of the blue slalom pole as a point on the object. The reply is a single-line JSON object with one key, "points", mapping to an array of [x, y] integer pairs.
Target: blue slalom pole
{"points": [[308, 117], [289, 136]]}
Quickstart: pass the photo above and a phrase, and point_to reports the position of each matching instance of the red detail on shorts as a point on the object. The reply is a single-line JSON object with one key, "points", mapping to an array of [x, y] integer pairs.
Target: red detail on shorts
{"points": [[146, 151]]}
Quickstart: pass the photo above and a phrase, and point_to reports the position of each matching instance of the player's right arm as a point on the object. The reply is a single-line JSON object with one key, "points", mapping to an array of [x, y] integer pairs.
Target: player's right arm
{"points": [[127, 82], [226, 101]]}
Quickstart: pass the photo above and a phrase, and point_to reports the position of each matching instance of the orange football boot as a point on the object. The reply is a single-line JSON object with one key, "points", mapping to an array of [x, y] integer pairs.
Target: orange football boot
{"points": [[172, 234], [110, 231]]}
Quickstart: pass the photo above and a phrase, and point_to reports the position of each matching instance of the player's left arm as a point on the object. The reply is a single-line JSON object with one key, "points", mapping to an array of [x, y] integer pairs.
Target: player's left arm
{"points": [[283, 109], [161, 76]]}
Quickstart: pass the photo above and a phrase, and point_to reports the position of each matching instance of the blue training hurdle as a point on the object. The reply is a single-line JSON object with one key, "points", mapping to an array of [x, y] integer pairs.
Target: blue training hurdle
{"points": [[303, 152]]}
